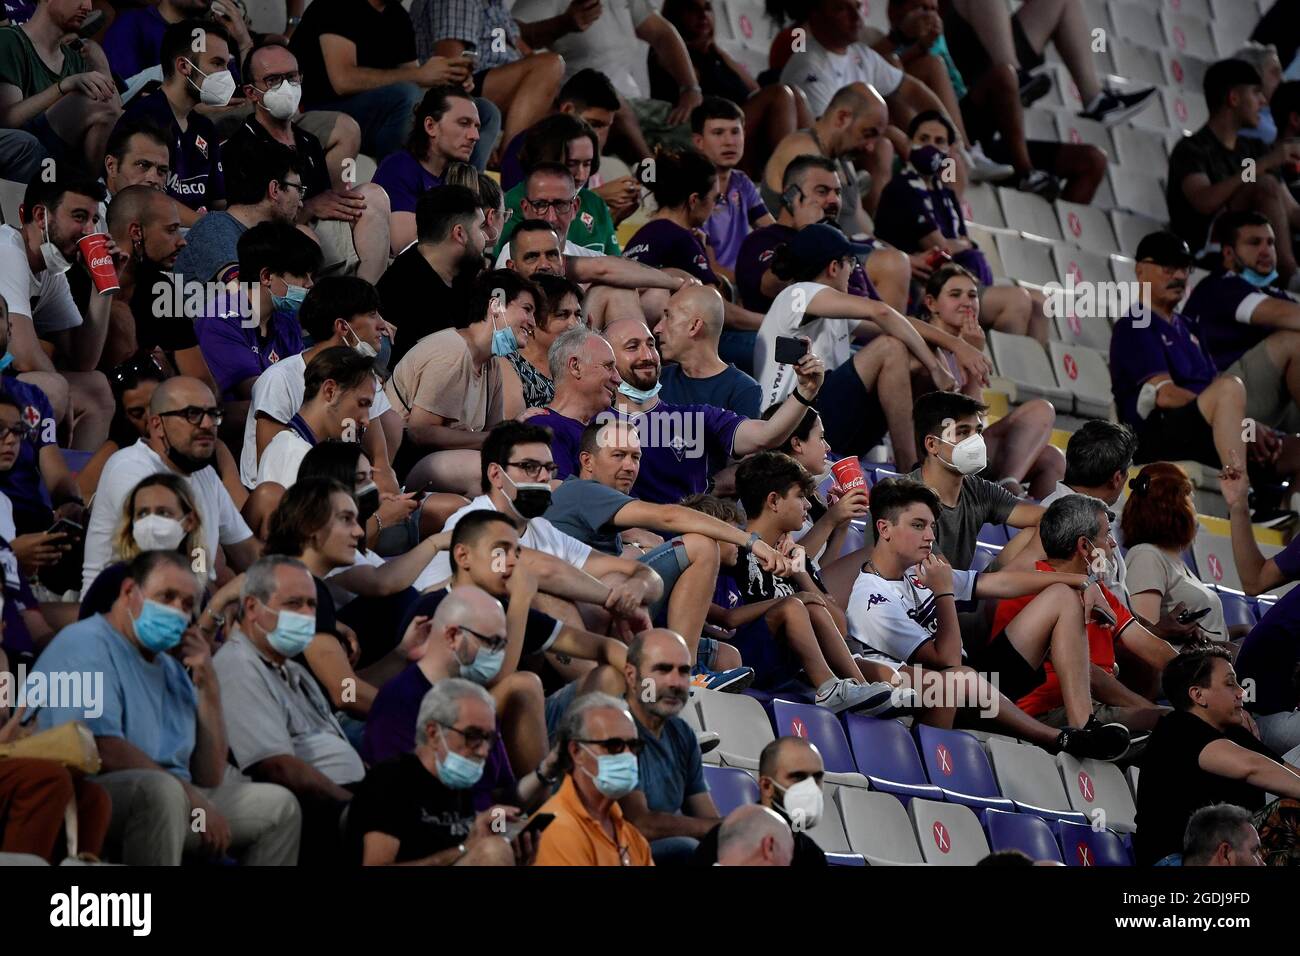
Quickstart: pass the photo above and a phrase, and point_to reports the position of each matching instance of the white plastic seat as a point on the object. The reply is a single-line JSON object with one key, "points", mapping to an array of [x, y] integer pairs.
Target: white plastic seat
{"points": [[987, 241], [1134, 61], [1214, 561], [1029, 213], [1141, 192], [1095, 785], [1140, 150], [1028, 777], [1185, 109], [1229, 34], [1026, 260], [829, 832], [1075, 129], [1083, 264], [1130, 229], [980, 205], [1023, 360], [1123, 268], [1085, 226], [1131, 777], [1138, 23], [1040, 123], [877, 827], [743, 724], [691, 714], [1189, 34], [21, 859], [1082, 371], [11, 197], [948, 834], [1184, 71]]}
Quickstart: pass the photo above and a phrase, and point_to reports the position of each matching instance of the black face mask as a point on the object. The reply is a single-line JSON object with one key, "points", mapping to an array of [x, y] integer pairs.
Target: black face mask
{"points": [[185, 464], [367, 503], [531, 498]]}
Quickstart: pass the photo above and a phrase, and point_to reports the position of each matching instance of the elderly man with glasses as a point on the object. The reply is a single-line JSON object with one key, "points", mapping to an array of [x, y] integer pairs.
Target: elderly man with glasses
{"points": [[182, 439]]}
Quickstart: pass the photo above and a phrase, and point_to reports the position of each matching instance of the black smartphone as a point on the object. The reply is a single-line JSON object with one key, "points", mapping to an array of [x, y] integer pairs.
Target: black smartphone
{"points": [[534, 825], [1188, 617], [68, 527], [790, 350]]}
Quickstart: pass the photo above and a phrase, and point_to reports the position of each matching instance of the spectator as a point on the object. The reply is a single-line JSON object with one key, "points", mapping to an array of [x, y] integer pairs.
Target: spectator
{"points": [[183, 420], [1285, 107], [72, 123], [754, 836], [133, 384], [35, 257], [1205, 169], [790, 778], [416, 809], [561, 311], [1263, 57], [197, 180], [24, 629], [447, 128], [440, 266], [688, 337], [1221, 835], [1019, 444], [449, 386], [490, 198], [599, 750], [522, 84], [136, 154], [133, 41], [672, 808], [1202, 754], [162, 736], [1076, 536], [909, 622]]}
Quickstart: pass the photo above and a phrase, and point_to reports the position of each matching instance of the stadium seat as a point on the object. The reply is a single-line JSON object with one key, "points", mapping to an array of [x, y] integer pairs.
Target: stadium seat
{"points": [[741, 722], [1229, 34], [1214, 559], [956, 763], [994, 534], [886, 755], [829, 832], [878, 828], [1139, 191], [1029, 213], [820, 726], [1095, 785], [1040, 123], [11, 197], [1134, 62], [1138, 23], [1072, 330], [1185, 109], [980, 205], [1082, 371], [1026, 260], [987, 242], [948, 834], [1130, 229], [1083, 846], [1085, 226], [1131, 777], [21, 859], [985, 554], [730, 788], [1023, 360], [1184, 72], [1029, 778], [1084, 265], [1190, 35], [1021, 831], [1141, 150], [845, 859], [1073, 128], [1196, 8], [1238, 609]]}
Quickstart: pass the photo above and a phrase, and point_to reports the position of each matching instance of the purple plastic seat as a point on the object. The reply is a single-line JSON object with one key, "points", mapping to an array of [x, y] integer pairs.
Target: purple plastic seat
{"points": [[1081, 845], [886, 755], [1021, 831], [818, 725], [845, 859], [730, 788], [956, 763]]}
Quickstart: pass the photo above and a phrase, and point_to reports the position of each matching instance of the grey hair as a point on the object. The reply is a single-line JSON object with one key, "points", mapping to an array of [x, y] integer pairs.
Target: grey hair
{"points": [[566, 346], [574, 721], [441, 705], [1211, 826], [1256, 54], [1067, 520], [260, 580]]}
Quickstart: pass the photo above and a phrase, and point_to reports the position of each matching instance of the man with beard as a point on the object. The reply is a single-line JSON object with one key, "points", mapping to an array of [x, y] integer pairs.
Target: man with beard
{"points": [[136, 156], [183, 423], [672, 808], [436, 270], [145, 222]]}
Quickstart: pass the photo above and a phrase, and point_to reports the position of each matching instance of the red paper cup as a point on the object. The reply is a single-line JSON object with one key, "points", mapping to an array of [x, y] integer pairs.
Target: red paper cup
{"points": [[94, 249], [848, 473]]}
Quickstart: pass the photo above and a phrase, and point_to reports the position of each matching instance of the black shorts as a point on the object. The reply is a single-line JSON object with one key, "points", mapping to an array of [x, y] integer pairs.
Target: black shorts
{"points": [[479, 79], [1177, 434], [968, 53], [1004, 666], [852, 416]]}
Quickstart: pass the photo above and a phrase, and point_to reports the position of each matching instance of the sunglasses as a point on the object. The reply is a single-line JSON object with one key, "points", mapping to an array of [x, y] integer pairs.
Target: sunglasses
{"points": [[475, 737], [194, 414], [128, 374], [616, 745]]}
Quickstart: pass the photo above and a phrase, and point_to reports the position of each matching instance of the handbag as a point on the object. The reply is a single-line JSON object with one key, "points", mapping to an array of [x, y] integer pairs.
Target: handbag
{"points": [[71, 744]]}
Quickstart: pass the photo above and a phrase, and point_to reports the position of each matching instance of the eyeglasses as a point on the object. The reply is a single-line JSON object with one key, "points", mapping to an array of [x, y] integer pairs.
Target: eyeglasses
{"points": [[545, 205], [534, 469], [475, 737], [20, 431], [194, 414], [273, 81], [616, 745], [145, 366], [491, 643], [284, 184]]}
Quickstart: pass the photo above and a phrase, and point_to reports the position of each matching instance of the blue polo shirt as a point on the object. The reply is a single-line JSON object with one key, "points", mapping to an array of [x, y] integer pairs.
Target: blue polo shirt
{"points": [[22, 483], [1219, 311], [235, 353], [133, 42], [195, 154], [670, 767], [404, 179], [1141, 348]]}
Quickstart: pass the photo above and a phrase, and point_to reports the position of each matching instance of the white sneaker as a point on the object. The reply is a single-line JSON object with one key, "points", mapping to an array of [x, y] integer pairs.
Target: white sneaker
{"points": [[708, 740], [981, 169], [845, 693]]}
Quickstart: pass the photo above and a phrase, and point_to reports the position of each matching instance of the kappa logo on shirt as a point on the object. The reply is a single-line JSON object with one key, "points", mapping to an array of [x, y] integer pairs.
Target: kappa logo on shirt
{"points": [[876, 599]]}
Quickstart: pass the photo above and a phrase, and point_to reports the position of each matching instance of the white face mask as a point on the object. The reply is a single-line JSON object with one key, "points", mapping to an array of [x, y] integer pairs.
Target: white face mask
{"points": [[216, 88], [56, 263], [282, 102], [362, 347], [803, 803], [969, 456], [158, 533]]}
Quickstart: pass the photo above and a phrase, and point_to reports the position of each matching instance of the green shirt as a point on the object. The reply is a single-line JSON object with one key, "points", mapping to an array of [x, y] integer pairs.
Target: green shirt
{"points": [[22, 66], [592, 228]]}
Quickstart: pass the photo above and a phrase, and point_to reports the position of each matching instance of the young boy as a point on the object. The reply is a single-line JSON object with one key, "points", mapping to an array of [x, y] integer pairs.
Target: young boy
{"points": [[718, 131], [904, 609]]}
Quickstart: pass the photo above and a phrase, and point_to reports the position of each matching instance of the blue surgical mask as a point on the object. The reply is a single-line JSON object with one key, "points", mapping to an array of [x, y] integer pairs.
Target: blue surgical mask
{"points": [[639, 394], [6, 361], [293, 632], [456, 771], [504, 341], [616, 774], [159, 627], [291, 301], [485, 665], [1257, 279]]}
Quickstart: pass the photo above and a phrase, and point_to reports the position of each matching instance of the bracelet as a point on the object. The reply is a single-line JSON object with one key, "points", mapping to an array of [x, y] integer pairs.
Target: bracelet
{"points": [[379, 523], [943, 595], [798, 397], [59, 86]]}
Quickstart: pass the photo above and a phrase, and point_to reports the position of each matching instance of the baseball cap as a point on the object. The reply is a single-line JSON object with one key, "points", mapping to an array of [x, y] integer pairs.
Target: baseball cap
{"points": [[1164, 249], [818, 244]]}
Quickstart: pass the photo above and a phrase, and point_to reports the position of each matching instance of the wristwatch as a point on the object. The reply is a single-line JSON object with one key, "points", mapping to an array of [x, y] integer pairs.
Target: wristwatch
{"points": [[754, 538], [1089, 581]]}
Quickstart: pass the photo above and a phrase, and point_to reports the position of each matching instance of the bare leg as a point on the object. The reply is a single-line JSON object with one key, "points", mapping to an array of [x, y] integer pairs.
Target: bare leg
{"points": [[625, 139], [521, 709], [1062, 21], [524, 90], [1016, 440], [992, 24], [91, 401], [86, 124], [370, 233], [1051, 625], [262, 502], [771, 114], [1083, 167], [832, 643], [890, 271], [933, 72], [436, 509], [55, 387], [883, 368], [789, 619], [688, 605], [456, 470], [998, 94], [1006, 308], [343, 143], [1223, 405]]}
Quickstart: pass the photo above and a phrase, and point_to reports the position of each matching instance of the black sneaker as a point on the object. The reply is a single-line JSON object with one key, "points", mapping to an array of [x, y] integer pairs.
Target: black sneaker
{"points": [[1112, 107], [1033, 86], [1095, 739], [1040, 183]]}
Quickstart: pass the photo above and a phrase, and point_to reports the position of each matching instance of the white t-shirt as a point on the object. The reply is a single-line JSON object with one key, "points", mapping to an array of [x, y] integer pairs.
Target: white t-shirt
{"points": [[894, 618], [540, 535], [124, 470], [55, 311], [278, 393], [282, 457], [832, 339], [571, 248], [821, 74], [609, 45], [7, 529]]}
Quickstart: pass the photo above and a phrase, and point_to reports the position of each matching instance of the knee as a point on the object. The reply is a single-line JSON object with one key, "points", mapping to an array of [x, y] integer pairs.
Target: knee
{"points": [[547, 67], [1038, 413], [494, 853], [887, 347], [927, 67], [607, 680], [700, 549], [376, 198], [1230, 388], [726, 658], [47, 781], [92, 387], [1093, 161], [522, 688], [346, 134], [160, 794]]}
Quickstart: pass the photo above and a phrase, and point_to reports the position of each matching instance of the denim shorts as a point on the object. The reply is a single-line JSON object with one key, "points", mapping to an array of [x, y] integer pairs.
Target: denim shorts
{"points": [[668, 560]]}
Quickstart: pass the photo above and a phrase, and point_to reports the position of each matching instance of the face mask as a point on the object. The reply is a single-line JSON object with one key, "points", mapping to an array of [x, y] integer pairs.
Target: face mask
{"points": [[504, 341], [216, 88], [532, 498], [6, 361], [802, 803], [367, 503], [639, 394], [158, 533], [927, 160], [1257, 279], [616, 774], [159, 627], [485, 665], [361, 348], [185, 464], [970, 455], [56, 263], [291, 300], [293, 632], [458, 772], [282, 102]]}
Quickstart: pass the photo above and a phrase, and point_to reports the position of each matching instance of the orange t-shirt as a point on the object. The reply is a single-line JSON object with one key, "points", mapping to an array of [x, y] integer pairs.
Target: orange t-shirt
{"points": [[575, 838], [1101, 646]]}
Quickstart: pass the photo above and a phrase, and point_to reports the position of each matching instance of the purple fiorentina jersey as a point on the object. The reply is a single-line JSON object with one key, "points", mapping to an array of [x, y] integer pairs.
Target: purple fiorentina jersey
{"points": [[566, 435], [730, 222], [235, 353], [1141, 348], [666, 245], [677, 442], [1219, 310]]}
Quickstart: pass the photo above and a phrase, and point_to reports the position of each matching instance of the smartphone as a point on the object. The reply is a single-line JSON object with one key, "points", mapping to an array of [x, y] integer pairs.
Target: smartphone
{"points": [[789, 350], [534, 825], [1189, 616], [68, 527], [1104, 614], [469, 50]]}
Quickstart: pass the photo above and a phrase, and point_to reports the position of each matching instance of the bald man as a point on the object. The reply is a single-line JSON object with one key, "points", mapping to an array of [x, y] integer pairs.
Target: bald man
{"points": [[145, 223], [182, 440], [755, 836], [688, 335]]}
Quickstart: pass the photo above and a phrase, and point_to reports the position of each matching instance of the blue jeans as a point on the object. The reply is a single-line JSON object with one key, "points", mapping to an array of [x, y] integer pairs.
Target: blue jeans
{"points": [[20, 156], [489, 118], [673, 851], [385, 116]]}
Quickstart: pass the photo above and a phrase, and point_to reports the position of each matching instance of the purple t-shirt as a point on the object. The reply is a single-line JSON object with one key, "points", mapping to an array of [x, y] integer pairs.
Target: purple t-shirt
{"points": [[666, 245], [733, 218], [196, 178], [390, 732], [752, 261], [1211, 311], [133, 42], [910, 210], [22, 483], [677, 444], [235, 353], [404, 179], [566, 436], [1141, 348]]}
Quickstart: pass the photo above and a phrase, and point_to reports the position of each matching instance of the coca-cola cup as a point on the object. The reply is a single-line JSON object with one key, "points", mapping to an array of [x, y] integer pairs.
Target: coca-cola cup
{"points": [[848, 473], [94, 250]]}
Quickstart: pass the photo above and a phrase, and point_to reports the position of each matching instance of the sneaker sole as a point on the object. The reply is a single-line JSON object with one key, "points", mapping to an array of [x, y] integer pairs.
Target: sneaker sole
{"points": [[873, 705], [1118, 116], [735, 685], [989, 174], [1035, 89]]}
